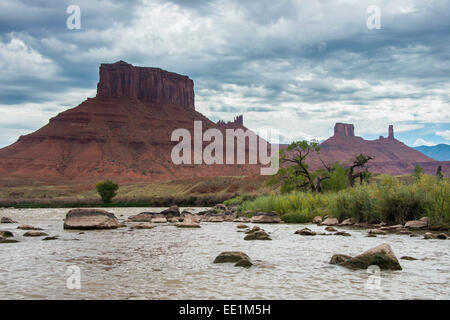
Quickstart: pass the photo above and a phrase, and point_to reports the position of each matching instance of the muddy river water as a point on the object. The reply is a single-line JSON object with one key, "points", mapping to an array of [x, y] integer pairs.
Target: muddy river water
{"points": [[171, 263]]}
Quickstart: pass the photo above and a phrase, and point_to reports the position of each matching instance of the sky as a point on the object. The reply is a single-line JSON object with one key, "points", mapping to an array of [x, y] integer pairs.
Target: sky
{"points": [[296, 66]]}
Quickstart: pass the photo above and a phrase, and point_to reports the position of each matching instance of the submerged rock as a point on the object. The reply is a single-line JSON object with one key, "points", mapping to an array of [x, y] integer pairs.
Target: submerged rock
{"points": [[257, 235], [143, 225], [381, 255], [34, 234], [377, 231], [305, 232], [266, 217], [7, 220], [90, 219], [5, 240], [408, 258], [343, 233], [330, 229], [142, 217], [27, 227], [242, 226], [50, 238]]}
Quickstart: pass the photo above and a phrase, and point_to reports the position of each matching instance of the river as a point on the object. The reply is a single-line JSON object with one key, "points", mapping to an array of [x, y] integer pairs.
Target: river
{"points": [[171, 263]]}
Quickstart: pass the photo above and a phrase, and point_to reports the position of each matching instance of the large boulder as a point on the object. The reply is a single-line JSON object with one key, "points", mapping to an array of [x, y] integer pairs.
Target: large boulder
{"points": [[171, 212], [417, 224], [239, 258], [7, 220], [257, 235], [89, 219], [266, 217], [381, 255], [339, 258], [330, 222]]}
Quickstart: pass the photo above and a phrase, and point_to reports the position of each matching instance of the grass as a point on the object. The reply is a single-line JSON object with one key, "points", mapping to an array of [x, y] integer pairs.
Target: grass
{"points": [[193, 192], [389, 199]]}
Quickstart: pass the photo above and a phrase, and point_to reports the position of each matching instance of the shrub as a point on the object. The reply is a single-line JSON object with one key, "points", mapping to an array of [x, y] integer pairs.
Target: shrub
{"points": [[107, 190]]}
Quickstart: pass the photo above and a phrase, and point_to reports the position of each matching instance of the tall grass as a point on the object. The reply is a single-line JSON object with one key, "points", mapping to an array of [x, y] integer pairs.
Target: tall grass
{"points": [[389, 200]]}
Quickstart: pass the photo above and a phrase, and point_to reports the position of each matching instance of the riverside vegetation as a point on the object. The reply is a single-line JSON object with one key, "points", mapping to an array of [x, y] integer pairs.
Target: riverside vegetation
{"points": [[388, 200]]}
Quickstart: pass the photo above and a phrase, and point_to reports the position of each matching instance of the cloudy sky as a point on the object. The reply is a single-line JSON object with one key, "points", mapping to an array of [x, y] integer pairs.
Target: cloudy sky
{"points": [[297, 66]]}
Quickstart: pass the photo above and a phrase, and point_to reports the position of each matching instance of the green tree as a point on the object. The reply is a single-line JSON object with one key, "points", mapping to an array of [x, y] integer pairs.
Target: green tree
{"points": [[338, 179], [107, 190], [359, 162], [418, 172], [297, 176]]}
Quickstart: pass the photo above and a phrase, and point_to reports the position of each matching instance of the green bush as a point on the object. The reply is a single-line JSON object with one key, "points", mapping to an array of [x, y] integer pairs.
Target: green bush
{"points": [[107, 190]]}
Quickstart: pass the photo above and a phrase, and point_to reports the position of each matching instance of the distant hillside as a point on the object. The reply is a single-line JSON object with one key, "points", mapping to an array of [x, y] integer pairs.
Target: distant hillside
{"points": [[439, 152]]}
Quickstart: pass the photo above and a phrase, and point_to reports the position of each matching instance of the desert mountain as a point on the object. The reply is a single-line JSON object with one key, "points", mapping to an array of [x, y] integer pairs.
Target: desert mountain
{"points": [[390, 155], [124, 133]]}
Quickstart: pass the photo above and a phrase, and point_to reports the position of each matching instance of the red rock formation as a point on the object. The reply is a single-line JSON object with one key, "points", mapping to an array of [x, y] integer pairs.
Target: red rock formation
{"points": [[153, 85], [344, 129], [237, 123], [123, 133], [390, 155]]}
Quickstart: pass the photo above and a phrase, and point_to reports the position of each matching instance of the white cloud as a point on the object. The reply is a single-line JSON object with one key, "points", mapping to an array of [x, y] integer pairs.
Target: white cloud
{"points": [[445, 134], [17, 60], [421, 142]]}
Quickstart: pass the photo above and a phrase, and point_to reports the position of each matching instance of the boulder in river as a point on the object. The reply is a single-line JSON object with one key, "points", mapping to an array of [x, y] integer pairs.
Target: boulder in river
{"points": [[171, 212], [429, 235], [90, 219], [189, 222], [7, 220], [50, 238], [266, 217], [408, 258], [418, 224], [381, 255], [159, 219], [442, 236], [305, 232], [27, 227], [330, 229], [339, 258], [142, 217], [143, 225], [347, 222], [5, 240], [34, 234], [6, 234], [343, 233], [317, 220], [377, 231], [239, 258], [330, 222], [257, 235], [242, 226]]}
